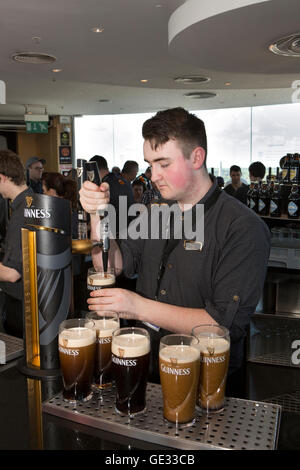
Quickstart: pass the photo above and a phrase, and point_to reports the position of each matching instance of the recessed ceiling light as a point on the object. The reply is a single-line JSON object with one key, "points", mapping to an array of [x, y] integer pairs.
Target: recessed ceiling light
{"points": [[104, 100], [288, 46], [227, 83], [97, 29], [56, 70], [33, 57], [144, 81], [199, 95], [191, 79]]}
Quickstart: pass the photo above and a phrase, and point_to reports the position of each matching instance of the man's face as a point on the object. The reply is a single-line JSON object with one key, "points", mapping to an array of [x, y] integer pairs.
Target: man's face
{"points": [[137, 192], [170, 170], [3, 186], [36, 171], [133, 174], [235, 177]]}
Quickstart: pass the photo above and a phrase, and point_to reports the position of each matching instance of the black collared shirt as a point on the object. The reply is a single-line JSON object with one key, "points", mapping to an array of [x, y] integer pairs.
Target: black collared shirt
{"points": [[225, 278], [13, 244]]}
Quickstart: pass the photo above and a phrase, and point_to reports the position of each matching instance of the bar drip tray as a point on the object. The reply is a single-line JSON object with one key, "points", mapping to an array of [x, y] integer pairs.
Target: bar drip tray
{"points": [[288, 401], [242, 425]]}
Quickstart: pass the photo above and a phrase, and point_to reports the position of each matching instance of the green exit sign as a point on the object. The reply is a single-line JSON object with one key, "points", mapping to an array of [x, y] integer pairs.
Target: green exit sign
{"points": [[37, 127]]}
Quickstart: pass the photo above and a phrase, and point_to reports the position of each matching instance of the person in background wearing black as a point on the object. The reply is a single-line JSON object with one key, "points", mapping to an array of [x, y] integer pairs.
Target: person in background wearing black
{"points": [[130, 170], [13, 187], [219, 281], [34, 167], [237, 188]]}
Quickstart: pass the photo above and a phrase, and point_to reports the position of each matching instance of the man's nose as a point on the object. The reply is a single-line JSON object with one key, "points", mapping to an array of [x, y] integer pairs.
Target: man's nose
{"points": [[155, 174]]}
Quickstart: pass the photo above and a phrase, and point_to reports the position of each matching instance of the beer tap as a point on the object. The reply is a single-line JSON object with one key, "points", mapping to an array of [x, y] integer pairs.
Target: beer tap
{"points": [[92, 174]]}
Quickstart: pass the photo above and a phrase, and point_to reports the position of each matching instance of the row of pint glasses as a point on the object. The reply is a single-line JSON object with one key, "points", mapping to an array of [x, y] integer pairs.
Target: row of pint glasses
{"points": [[95, 351]]}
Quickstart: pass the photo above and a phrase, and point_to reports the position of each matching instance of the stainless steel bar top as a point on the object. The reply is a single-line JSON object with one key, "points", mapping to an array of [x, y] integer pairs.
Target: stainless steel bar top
{"points": [[242, 425]]}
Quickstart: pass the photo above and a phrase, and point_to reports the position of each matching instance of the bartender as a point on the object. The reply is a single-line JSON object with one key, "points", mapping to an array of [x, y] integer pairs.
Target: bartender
{"points": [[184, 283]]}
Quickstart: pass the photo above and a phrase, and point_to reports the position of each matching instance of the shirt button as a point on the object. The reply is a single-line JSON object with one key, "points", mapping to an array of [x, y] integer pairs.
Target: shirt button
{"points": [[170, 265], [236, 298], [163, 292]]}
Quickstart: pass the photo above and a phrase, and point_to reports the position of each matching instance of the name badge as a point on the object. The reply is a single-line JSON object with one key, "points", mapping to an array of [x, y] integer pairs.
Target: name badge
{"points": [[191, 245]]}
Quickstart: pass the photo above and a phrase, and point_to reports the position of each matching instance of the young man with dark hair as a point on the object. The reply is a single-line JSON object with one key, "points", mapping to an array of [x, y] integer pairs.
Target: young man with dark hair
{"points": [[237, 188], [13, 187], [219, 281], [130, 170]]}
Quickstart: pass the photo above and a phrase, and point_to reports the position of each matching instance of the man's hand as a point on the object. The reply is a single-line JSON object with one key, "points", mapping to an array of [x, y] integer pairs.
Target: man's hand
{"points": [[126, 303], [94, 198]]}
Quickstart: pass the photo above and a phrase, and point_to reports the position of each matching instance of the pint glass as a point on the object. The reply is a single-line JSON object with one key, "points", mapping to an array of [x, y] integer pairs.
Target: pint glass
{"points": [[99, 279], [179, 375], [130, 358], [214, 345], [77, 346], [105, 325]]}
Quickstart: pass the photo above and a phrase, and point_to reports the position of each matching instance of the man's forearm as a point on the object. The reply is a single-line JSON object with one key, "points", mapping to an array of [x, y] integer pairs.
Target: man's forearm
{"points": [[8, 274], [171, 317]]}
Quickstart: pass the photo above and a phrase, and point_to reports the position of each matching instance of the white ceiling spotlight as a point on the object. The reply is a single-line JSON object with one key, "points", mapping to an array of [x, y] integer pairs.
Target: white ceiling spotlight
{"points": [[288, 46]]}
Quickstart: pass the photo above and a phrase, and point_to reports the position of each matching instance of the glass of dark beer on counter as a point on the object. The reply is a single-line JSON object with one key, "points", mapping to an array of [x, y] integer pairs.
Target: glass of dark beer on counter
{"points": [[77, 347], [130, 358], [179, 375], [105, 325], [97, 279], [214, 346]]}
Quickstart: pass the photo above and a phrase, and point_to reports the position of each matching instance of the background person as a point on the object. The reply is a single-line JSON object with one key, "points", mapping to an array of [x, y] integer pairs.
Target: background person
{"points": [[130, 170], [237, 188], [13, 187], [35, 167]]}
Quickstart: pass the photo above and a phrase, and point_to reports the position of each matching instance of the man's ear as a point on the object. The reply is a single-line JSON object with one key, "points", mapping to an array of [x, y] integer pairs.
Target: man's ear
{"points": [[198, 157]]}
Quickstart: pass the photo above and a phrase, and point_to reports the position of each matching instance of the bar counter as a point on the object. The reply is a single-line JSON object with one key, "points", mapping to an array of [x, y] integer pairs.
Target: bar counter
{"points": [[24, 425]]}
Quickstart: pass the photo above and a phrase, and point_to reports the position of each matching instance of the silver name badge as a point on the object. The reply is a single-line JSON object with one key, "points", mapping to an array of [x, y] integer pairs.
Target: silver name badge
{"points": [[191, 245]]}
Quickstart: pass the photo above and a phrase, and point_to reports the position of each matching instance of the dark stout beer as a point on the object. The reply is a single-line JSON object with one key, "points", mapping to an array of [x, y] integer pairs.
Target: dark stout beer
{"points": [[77, 348], [100, 280], [179, 374], [130, 358], [105, 327]]}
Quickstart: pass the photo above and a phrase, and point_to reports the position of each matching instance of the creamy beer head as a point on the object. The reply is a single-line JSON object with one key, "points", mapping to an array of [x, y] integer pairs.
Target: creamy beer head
{"points": [[101, 280], [106, 327], [130, 345], [213, 345], [77, 337], [179, 354]]}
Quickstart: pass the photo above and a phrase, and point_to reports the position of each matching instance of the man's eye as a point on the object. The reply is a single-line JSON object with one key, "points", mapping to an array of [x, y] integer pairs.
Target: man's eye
{"points": [[164, 165]]}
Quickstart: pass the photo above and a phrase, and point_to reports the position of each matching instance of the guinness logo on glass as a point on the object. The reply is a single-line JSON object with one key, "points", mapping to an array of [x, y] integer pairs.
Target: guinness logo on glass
{"points": [[29, 200], [79, 171], [90, 175]]}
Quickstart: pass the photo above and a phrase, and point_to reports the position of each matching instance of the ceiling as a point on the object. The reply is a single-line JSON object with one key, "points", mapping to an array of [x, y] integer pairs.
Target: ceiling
{"points": [[155, 40]]}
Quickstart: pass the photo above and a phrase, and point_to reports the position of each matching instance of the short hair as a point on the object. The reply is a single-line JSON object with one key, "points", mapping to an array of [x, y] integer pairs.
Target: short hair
{"points": [[101, 162], [235, 168], [179, 124], [12, 167], [257, 169], [129, 166]]}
